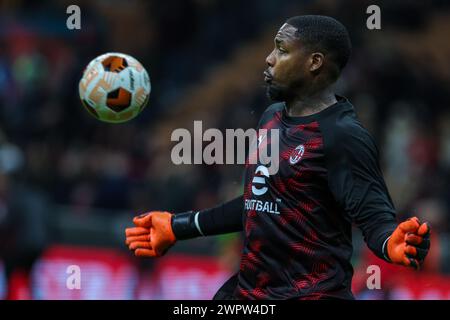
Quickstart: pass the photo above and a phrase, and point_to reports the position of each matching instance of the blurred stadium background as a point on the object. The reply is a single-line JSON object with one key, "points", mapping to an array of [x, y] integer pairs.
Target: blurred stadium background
{"points": [[69, 184]]}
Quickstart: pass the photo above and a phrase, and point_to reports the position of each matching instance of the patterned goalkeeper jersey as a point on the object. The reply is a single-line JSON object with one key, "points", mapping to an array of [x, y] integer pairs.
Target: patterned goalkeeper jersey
{"points": [[297, 221]]}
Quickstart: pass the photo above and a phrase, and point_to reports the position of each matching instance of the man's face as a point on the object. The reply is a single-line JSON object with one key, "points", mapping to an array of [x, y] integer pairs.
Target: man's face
{"points": [[287, 71]]}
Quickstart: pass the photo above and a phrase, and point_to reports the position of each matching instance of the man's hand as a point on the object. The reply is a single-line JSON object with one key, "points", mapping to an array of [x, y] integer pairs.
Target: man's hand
{"points": [[152, 236], [409, 243]]}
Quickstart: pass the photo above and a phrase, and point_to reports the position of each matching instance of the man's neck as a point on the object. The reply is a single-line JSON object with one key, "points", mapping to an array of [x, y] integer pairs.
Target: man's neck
{"points": [[306, 106]]}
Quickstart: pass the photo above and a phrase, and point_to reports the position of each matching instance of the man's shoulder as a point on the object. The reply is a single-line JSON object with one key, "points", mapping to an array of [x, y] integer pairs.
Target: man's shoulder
{"points": [[275, 107], [270, 112], [344, 130]]}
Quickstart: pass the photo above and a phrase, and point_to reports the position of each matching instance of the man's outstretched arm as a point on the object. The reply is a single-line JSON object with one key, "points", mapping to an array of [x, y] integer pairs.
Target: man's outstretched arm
{"points": [[157, 231]]}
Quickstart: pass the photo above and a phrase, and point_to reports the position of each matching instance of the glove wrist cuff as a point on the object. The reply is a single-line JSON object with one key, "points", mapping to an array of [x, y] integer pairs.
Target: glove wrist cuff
{"points": [[185, 225], [385, 250]]}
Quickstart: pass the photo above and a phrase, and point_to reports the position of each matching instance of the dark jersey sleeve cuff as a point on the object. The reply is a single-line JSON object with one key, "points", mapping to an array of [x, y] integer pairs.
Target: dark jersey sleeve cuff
{"points": [[224, 218], [184, 227]]}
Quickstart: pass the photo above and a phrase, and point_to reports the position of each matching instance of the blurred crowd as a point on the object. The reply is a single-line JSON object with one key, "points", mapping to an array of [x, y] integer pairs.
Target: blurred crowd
{"points": [[205, 59]]}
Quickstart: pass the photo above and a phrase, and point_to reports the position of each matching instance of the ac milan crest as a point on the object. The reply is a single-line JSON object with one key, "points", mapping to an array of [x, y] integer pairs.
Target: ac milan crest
{"points": [[297, 154]]}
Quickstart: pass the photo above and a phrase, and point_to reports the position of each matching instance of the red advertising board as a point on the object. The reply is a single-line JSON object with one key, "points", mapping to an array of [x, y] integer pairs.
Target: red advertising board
{"points": [[187, 277], [104, 274], [112, 274]]}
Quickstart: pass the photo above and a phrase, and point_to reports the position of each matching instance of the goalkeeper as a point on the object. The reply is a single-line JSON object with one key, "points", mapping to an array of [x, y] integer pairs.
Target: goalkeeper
{"points": [[297, 222]]}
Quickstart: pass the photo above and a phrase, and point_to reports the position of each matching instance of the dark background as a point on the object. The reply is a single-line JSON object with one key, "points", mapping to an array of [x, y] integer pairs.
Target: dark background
{"points": [[66, 178]]}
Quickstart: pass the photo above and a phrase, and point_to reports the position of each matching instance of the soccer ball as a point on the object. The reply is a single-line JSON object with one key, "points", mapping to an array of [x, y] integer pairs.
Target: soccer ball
{"points": [[114, 88]]}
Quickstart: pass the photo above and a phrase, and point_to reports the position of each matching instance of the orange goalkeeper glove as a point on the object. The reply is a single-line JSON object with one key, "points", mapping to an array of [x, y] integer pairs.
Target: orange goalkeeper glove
{"points": [[152, 236], [409, 243]]}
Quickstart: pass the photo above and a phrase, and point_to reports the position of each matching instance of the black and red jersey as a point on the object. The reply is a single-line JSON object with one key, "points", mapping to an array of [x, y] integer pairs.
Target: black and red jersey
{"points": [[297, 222]]}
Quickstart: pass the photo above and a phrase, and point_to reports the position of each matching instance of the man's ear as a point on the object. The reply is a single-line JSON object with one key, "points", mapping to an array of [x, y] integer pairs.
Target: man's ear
{"points": [[316, 61]]}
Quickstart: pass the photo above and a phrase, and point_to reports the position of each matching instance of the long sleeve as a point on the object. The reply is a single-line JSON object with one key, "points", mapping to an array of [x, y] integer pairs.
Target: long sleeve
{"points": [[356, 182]]}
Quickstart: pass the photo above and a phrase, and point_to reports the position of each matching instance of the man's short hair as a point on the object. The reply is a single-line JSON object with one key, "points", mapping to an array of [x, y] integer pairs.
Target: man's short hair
{"points": [[324, 34]]}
